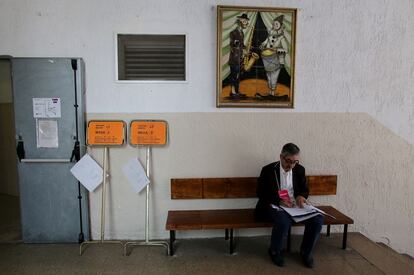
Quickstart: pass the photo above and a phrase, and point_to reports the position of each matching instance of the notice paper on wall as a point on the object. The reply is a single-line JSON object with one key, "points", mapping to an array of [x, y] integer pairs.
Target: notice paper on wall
{"points": [[47, 133], [88, 172], [135, 174], [46, 108]]}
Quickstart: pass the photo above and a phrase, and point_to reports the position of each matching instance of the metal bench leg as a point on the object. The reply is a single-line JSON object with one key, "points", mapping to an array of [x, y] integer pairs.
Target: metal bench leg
{"points": [[231, 241], [345, 236], [288, 239], [172, 240], [328, 230], [226, 236]]}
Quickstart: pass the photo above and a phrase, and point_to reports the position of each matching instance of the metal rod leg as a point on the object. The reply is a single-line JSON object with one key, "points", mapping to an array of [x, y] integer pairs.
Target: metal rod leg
{"points": [[231, 241], [81, 237], [172, 239], [147, 242], [226, 236], [345, 236], [148, 162], [328, 230], [288, 240]]}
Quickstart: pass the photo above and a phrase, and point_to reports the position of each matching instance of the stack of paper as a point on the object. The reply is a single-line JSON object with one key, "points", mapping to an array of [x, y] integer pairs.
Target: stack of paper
{"points": [[300, 214]]}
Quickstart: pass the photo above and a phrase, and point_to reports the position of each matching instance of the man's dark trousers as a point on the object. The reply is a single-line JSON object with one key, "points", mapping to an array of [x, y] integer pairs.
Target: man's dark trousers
{"points": [[281, 225]]}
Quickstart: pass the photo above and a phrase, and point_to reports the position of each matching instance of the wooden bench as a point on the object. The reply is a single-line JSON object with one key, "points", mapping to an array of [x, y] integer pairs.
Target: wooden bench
{"points": [[230, 219]]}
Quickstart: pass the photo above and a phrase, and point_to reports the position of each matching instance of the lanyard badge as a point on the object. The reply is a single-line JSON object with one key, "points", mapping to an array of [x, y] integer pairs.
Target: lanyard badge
{"points": [[284, 195]]}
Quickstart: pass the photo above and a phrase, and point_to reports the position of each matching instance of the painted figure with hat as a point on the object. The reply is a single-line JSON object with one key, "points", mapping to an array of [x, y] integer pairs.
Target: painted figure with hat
{"points": [[273, 52], [237, 53]]}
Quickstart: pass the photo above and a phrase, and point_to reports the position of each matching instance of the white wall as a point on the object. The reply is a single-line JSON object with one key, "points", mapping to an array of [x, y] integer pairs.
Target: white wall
{"points": [[352, 56]]}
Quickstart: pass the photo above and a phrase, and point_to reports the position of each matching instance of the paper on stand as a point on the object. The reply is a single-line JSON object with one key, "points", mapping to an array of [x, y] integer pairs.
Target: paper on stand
{"points": [[88, 172], [135, 174]]}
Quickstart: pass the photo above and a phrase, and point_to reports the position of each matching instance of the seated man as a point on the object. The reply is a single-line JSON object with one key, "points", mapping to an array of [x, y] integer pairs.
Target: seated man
{"points": [[284, 183]]}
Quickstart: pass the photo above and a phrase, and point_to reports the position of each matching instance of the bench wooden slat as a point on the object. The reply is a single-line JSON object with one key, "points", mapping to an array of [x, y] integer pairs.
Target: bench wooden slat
{"points": [[322, 185], [231, 218], [245, 187], [234, 218], [217, 188], [186, 188], [340, 217], [184, 220]]}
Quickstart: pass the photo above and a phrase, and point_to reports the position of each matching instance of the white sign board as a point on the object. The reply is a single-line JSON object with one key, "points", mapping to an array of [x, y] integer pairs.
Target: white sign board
{"points": [[46, 108]]}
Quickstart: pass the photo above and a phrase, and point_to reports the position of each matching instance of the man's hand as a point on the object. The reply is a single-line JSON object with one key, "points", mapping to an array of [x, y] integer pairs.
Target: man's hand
{"points": [[300, 201], [286, 203]]}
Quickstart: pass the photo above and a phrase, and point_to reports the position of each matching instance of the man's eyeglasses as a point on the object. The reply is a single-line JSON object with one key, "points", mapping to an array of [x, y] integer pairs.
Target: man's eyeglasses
{"points": [[291, 161]]}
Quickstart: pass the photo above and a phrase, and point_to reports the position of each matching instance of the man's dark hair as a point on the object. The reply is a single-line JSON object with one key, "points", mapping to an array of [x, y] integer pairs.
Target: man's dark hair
{"points": [[290, 149]]}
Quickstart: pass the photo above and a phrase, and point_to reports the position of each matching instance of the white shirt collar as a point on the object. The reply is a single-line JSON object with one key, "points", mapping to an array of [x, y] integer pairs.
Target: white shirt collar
{"points": [[282, 171]]}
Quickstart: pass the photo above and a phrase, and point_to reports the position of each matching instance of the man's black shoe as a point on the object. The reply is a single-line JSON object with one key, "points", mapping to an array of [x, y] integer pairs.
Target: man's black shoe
{"points": [[307, 260], [277, 258]]}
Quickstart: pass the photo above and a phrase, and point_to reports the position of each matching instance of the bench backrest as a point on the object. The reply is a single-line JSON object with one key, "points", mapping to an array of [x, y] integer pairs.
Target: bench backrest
{"points": [[221, 188]]}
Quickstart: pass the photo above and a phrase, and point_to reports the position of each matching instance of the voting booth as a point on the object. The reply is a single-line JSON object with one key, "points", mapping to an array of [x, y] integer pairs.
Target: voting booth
{"points": [[48, 108]]}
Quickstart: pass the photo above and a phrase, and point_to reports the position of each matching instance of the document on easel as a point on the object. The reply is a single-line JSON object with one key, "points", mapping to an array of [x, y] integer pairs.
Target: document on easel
{"points": [[88, 172], [136, 175]]}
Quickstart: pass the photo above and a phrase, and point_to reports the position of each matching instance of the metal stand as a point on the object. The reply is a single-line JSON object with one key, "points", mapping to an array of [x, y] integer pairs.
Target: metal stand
{"points": [[147, 241], [102, 240], [76, 149]]}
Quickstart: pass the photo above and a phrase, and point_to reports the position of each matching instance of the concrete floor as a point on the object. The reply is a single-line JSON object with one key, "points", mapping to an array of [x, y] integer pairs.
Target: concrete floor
{"points": [[203, 256], [193, 256]]}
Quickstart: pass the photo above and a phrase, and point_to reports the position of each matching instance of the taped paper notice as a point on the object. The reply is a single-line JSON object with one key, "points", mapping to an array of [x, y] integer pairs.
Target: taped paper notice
{"points": [[88, 172], [47, 133], [135, 174], [46, 108]]}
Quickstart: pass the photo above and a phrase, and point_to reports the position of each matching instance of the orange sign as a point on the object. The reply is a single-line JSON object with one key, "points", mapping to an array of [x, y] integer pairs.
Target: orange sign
{"points": [[147, 132], [106, 132]]}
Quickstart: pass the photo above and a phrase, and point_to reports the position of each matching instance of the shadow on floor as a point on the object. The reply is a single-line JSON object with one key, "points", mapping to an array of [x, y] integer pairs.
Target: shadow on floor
{"points": [[10, 228]]}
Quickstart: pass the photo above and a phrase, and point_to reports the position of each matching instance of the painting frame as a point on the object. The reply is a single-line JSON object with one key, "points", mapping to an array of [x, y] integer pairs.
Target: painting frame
{"points": [[255, 61]]}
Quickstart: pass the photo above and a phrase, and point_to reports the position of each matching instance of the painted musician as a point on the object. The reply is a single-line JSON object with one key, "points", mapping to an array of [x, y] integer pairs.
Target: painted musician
{"points": [[237, 53], [273, 52]]}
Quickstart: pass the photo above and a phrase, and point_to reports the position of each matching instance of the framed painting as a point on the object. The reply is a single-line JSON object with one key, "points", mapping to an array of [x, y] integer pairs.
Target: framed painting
{"points": [[255, 57]]}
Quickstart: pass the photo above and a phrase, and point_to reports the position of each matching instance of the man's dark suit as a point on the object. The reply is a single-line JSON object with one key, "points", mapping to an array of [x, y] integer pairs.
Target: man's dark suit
{"points": [[267, 188], [267, 191]]}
